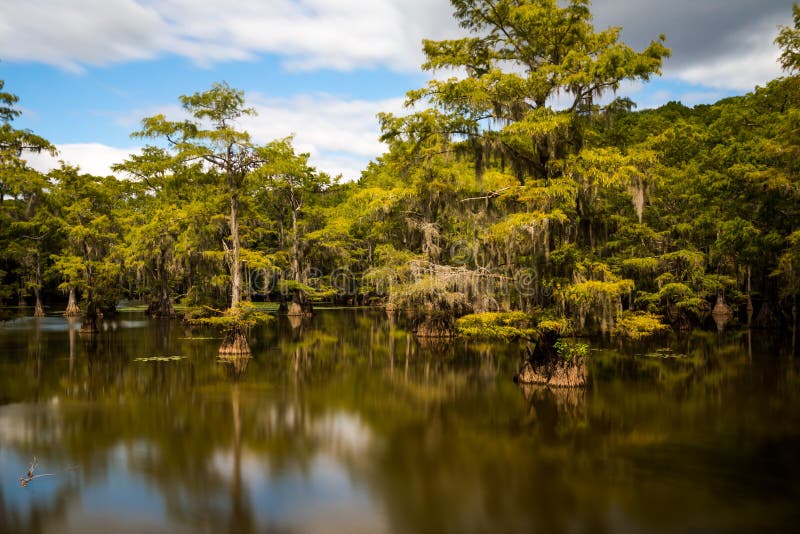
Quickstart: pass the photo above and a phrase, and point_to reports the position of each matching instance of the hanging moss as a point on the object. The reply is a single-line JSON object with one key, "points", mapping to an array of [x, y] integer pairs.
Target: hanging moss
{"points": [[601, 301], [439, 295]]}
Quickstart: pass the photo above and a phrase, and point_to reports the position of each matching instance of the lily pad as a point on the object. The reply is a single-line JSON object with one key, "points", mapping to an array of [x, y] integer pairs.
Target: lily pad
{"points": [[160, 359]]}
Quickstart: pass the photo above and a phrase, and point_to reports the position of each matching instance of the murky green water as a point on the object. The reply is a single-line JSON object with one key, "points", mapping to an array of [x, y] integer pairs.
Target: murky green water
{"points": [[347, 424]]}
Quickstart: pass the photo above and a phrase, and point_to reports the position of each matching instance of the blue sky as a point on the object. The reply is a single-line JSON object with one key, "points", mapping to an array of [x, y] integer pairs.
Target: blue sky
{"points": [[87, 71]]}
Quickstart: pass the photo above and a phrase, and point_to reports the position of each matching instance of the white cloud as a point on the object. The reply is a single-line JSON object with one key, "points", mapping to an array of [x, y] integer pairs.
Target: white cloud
{"points": [[92, 158], [320, 123], [717, 43], [741, 68], [309, 34], [70, 34], [693, 98], [347, 166], [340, 135]]}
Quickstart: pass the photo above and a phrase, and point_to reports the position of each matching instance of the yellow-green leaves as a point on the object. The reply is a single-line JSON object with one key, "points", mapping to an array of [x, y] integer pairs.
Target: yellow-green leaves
{"points": [[789, 41], [520, 54], [495, 325], [639, 325]]}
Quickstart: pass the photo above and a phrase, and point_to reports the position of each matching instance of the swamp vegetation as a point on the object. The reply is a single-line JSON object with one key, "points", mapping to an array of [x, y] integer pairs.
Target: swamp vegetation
{"points": [[590, 218], [221, 337], [348, 423]]}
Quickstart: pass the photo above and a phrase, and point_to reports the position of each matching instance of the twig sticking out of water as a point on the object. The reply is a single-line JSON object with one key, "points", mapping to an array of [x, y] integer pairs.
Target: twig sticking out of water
{"points": [[25, 480]]}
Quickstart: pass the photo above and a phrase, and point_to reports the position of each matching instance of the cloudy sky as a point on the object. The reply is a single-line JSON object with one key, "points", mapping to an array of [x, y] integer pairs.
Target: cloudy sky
{"points": [[87, 71]]}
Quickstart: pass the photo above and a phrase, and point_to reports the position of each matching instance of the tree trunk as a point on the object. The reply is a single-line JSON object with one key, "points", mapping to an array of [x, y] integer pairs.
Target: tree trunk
{"points": [[72, 305], [295, 248], [235, 339], [234, 343], [162, 307], [300, 305], [236, 268], [89, 325], [38, 309], [165, 305]]}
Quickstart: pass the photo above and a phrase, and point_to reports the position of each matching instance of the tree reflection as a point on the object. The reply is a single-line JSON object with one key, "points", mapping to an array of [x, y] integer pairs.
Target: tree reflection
{"points": [[438, 437]]}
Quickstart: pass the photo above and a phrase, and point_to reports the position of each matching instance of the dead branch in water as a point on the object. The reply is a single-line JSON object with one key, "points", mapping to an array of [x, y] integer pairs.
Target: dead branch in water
{"points": [[29, 476]]}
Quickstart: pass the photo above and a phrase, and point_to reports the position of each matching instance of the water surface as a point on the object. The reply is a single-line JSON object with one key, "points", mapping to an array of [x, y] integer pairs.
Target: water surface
{"points": [[345, 423]]}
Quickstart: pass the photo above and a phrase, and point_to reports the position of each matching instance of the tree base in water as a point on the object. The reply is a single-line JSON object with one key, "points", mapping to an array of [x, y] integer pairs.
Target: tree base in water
{"points": [[72, 306], [297, 309], [556, 373], [234, 344], [39, 311], [722, 314]]}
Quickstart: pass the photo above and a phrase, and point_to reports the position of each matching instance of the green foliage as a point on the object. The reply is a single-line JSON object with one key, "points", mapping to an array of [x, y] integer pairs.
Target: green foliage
{"points": [[505, 326], [789, 41], [571, 351], [513, 67], [641, 266], [561, 326], [638, 325], [431, 294], [246, 315], [788, 268], [599, 217]]}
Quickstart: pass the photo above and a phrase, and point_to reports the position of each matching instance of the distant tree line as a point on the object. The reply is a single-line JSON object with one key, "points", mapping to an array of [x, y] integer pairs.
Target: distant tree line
{"points": [[590, 217]]}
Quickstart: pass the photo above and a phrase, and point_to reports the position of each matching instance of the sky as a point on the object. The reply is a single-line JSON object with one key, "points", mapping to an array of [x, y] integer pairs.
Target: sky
{"points": [[88, 71]]}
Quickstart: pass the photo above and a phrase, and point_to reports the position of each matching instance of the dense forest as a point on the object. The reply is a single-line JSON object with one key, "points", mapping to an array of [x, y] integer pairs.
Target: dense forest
{"points": [[586, 217]]}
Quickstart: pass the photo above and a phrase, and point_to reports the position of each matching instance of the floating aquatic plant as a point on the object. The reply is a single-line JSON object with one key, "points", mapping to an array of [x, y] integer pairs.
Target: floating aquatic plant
{"points": [[160, 359]]}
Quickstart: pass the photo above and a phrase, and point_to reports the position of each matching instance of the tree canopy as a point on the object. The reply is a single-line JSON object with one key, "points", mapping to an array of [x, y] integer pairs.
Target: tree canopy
{"points": [[517, 184]]}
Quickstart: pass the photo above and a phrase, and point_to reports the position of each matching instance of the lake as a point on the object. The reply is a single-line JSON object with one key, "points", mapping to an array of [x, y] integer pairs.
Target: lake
{"points": [[347, 423]]}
